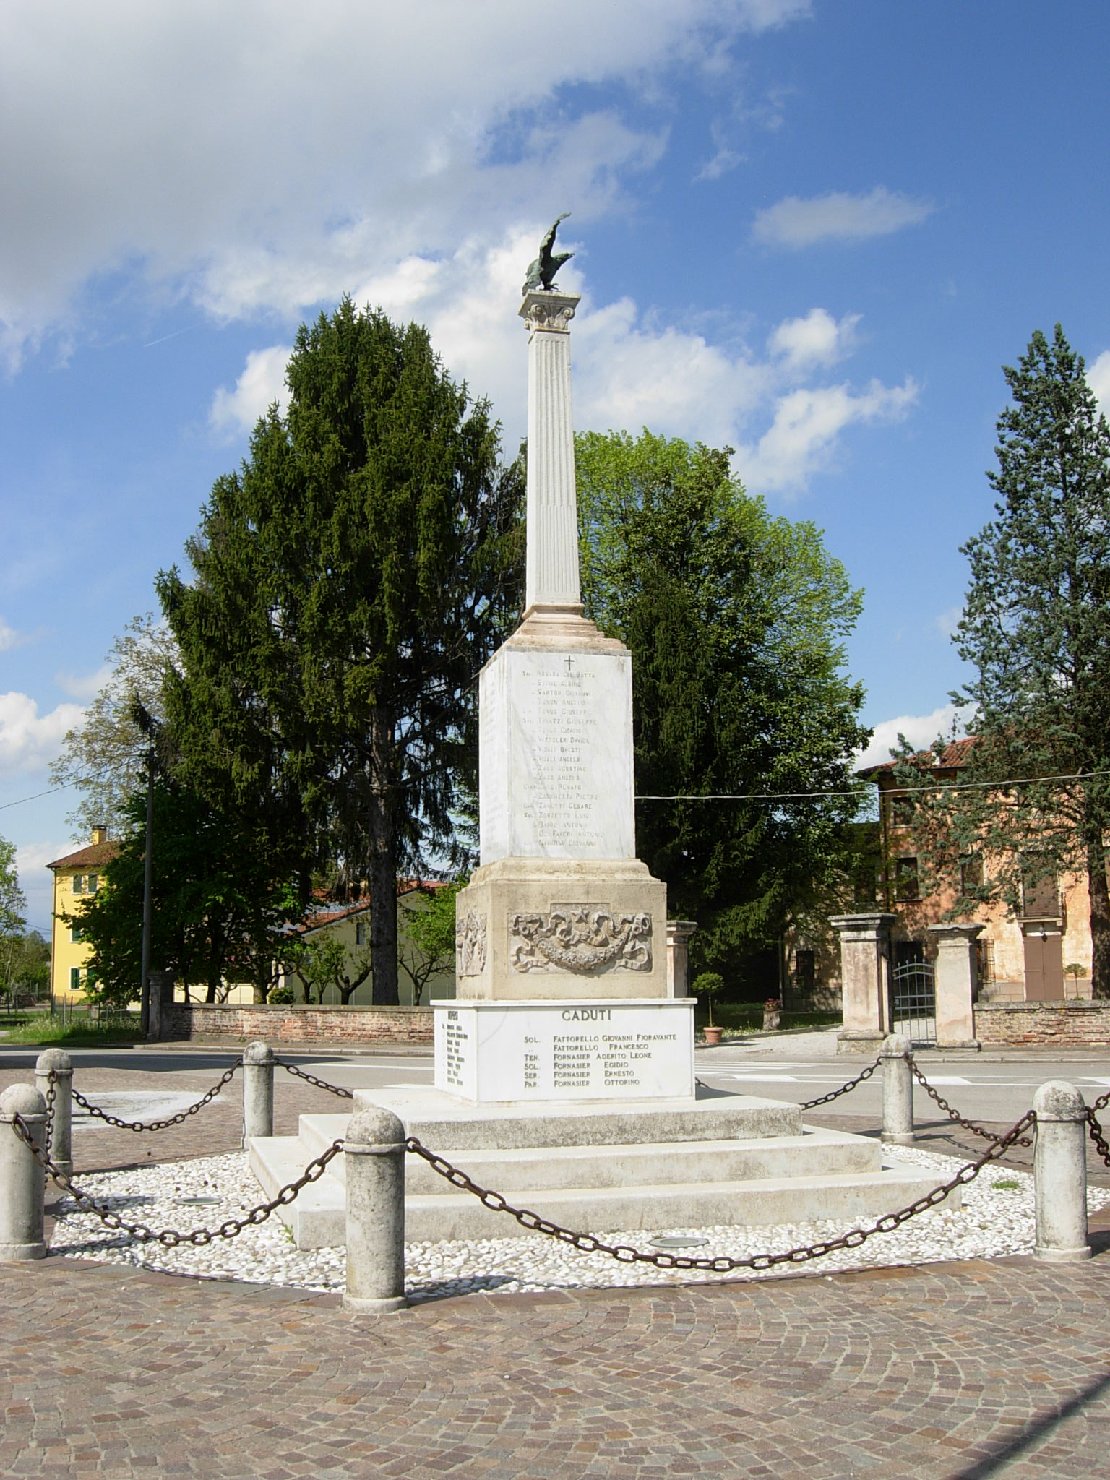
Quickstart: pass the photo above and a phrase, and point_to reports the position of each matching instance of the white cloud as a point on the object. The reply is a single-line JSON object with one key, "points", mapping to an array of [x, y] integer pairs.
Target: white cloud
{"points": [[258, 387], [948, 620], [177, 140], [795, 222], [919, 729], [1098, 376], [28, 739], [630, 370], [816, 339], [9, 637], [84, 686], [37, 882], [802, 438]]}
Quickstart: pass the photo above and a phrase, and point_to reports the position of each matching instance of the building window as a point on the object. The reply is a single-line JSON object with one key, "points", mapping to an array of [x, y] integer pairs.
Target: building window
{"points": [[76, 935], [805, 970], [75, 978], [1040, 894], [86, 883], [906, 882], [362, 933], [901, 810], [971, 873], [865, 883]]}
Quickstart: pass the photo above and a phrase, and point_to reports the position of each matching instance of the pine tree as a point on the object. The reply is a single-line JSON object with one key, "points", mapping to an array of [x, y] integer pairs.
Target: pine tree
{"points": [[1036, 628], [349, 583], [735, 621]]}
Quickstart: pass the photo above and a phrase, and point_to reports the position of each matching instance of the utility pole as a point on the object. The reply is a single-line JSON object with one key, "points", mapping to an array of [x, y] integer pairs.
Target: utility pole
{"points": [[149, 726]]}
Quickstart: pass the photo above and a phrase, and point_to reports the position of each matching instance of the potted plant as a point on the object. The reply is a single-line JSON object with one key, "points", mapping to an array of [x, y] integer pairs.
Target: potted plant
{"points": [[772, 1014], [708, 984], [1075, 971]]}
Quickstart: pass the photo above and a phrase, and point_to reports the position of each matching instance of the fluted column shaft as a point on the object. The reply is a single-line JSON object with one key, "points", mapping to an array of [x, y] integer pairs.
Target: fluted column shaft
{"points": [[552, 564]]}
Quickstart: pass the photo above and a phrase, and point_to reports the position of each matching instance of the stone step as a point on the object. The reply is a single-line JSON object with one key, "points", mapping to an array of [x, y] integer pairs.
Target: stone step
{"points": [[815, 1151], [783, 1185], [440, 1120]]}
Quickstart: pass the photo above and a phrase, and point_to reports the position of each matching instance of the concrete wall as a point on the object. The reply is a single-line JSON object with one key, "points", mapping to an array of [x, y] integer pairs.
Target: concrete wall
{"points": [[297, 1023]]}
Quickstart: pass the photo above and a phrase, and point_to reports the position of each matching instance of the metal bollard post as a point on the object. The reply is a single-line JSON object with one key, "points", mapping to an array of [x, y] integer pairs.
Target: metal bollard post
{"points": [[897, 1091], [59, 1139], [22, 1177], [1060, 1173], [258, 1091], [374, 1164]]}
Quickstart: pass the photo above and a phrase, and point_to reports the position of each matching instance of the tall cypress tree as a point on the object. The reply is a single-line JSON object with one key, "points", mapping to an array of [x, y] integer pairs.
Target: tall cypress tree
{"points": [[1036, 628], [349, 581]]}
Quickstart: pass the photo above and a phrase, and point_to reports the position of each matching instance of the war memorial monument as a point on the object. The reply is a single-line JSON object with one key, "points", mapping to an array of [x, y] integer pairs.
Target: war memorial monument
{"points": [[564, 1065]]}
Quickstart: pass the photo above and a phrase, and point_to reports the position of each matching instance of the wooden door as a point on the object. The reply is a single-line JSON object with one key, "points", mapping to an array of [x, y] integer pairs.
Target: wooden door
{"points": [[1044, 966]]}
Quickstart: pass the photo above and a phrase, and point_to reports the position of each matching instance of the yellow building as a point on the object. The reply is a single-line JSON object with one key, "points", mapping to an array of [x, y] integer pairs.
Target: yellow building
{"points": [[76, 877]]}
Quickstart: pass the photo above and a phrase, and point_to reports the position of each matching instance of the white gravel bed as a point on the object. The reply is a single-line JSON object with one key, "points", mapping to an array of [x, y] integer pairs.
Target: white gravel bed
{"points": [[996, 1219]]}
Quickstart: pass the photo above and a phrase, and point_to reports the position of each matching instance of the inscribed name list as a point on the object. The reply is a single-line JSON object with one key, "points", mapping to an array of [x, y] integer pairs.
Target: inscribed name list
{"points": [[556, 756], [565, 1051]]}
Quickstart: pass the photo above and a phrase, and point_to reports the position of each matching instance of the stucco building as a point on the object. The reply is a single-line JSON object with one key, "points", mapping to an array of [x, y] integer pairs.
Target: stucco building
{"points": [[77, 877]]}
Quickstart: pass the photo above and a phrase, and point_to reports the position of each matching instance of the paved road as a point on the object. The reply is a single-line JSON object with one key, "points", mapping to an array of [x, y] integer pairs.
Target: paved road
{"points": [[952, 1372]]}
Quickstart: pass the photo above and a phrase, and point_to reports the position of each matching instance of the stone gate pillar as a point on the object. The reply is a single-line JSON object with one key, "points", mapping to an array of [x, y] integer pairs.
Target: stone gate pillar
{"points": [[955, 984], [864, 976], [678, 956]]}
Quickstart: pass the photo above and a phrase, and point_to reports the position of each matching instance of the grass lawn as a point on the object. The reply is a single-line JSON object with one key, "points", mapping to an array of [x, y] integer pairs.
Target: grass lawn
{"points": [[43, 1029]]}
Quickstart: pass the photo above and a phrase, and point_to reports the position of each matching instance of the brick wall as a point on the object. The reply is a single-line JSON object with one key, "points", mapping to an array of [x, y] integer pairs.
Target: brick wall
{"points": [[1063, 1023], [299, 1024]]}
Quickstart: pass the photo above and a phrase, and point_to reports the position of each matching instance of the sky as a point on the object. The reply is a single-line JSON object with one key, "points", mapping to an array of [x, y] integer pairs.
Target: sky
{"points": [[811, 230]]}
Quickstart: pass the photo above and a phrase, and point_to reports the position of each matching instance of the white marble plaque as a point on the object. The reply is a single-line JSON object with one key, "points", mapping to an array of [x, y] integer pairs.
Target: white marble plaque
{"points": [[516, 1052], [555, 759]]}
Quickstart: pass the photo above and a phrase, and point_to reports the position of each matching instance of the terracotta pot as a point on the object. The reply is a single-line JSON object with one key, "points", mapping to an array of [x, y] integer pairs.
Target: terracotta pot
{"points": [[712, 1035]]}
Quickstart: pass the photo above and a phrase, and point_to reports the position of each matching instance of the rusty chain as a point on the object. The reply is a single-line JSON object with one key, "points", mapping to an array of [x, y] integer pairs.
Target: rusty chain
{"points": [[844, 1088], [158, 1125], [1101, 1103], [722, 1263], [170, 1238], [938, 1099], [51, 1097], [1096, 1131], [335, 1089]]}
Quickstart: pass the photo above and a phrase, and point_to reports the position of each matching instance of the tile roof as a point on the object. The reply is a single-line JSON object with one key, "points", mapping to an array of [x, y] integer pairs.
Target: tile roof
{"points": [[956, 753], [324, 911], [90, 856]]}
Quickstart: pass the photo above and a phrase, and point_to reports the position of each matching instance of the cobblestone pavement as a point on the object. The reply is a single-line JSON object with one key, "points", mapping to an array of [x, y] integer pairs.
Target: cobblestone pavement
{"points": [[952, 1372]]}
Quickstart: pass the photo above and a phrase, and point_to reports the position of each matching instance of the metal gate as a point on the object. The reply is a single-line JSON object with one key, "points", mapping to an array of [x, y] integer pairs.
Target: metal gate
{"points": [[913, 1002]]}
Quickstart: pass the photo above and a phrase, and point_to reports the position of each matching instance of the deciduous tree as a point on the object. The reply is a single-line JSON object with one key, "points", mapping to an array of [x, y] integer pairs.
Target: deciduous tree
{"points": [[218, 910], [736, 622], [104, 755], [12, 920]]}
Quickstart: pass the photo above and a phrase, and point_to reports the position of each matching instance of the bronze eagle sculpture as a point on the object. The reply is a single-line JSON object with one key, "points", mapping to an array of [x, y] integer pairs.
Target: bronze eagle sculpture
{"points": [[541, 274]]}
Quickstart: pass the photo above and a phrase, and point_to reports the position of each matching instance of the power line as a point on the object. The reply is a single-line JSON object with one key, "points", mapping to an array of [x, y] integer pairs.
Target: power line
{"points": [[794, 796], [5, 805]]}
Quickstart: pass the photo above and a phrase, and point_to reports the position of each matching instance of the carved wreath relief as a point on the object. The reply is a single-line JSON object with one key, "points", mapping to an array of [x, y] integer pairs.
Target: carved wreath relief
{"points": [[580, 937], [470, 944]]}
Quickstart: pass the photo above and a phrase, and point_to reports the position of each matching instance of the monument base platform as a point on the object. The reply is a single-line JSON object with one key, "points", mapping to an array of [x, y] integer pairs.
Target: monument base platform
{"points": [[714, 1160], [565, 1050]]}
